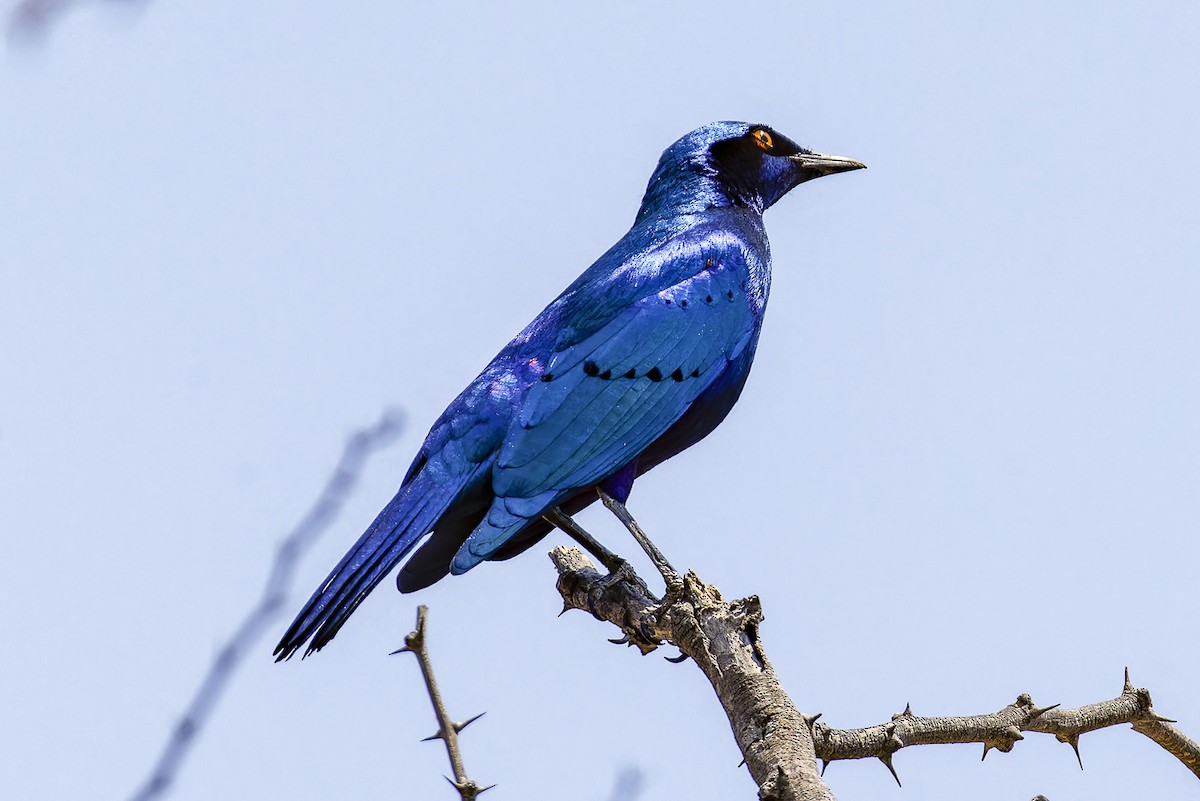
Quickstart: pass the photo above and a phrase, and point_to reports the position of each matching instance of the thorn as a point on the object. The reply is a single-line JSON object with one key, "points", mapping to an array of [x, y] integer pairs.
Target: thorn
{"points": [[824, 764], [907, 709], [404, 649], [1038, 711], [468, 788], [743, 762], [465, 723], [1159, 718], [1128, 684], [676, 659], [432, 737], [1073, 741], [887, 761], [622, 640], [811, 722], [986, 748]]}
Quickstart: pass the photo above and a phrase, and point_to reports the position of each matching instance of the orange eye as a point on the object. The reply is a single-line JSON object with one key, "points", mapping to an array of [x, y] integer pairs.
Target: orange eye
{"points": [[763, 139]]}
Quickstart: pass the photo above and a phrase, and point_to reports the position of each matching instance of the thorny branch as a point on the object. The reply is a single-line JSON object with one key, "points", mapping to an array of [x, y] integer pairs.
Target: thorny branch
{"points": [[358, 448], [1001, 730], [414, 643], [1131, 706], [779, 743]]}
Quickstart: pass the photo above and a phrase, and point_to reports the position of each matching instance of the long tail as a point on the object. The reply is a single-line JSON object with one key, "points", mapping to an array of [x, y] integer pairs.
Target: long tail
{"points": [[401, 524]]}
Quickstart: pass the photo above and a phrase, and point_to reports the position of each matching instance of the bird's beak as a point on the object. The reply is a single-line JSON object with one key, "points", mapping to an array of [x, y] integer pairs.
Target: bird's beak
{"points": [[816, 165]]}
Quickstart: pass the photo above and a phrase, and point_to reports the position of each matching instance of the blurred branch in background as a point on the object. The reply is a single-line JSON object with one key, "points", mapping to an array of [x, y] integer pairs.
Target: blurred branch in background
{"points": [[358, 449], [31, 21], [629, 785]]}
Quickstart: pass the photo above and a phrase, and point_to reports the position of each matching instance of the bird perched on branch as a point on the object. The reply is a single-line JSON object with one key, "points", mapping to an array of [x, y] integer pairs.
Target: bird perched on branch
{"points": [[641, 357]]}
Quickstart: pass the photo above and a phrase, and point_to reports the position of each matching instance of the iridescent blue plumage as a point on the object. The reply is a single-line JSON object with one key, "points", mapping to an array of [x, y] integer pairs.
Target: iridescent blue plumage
{"points": [[641, 357]]}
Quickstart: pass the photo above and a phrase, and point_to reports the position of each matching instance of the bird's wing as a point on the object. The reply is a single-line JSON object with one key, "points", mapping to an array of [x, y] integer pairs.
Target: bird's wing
{"points": [[606, 396]]}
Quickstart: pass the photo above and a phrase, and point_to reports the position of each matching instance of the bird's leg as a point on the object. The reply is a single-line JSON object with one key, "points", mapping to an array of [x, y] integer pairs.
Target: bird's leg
{"points": [[670, 575], [557, 517]]}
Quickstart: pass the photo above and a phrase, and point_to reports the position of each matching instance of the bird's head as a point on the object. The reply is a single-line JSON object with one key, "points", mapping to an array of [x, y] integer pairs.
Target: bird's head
{"points": [[734, 164]]}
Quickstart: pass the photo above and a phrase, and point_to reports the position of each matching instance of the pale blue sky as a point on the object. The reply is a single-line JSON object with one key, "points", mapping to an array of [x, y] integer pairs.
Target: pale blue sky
{"points": [[965, 466]]}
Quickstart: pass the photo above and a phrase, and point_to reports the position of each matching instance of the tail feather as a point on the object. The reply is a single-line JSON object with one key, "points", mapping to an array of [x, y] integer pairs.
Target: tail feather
{"points": [[401, 524]]}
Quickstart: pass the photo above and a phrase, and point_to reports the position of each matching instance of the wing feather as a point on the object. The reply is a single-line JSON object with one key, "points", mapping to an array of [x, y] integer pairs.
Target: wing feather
{"points": [[605, 398]]}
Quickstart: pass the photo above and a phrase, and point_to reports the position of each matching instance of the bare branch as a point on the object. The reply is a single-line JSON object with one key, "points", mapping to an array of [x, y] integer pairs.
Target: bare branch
{"points": [[358, 448], [414, 643], [722, 638], [1173, 740], [1132, 706], [1001, 730], [778, 742]]}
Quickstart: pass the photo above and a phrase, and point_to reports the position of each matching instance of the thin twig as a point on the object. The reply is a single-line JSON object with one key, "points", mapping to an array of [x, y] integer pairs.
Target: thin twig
{"points": [[414, 643], [358, 448]]}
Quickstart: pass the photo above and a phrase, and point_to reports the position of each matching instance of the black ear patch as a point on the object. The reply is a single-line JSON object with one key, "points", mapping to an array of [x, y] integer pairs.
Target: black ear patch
{"points": [[733, 156]]}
